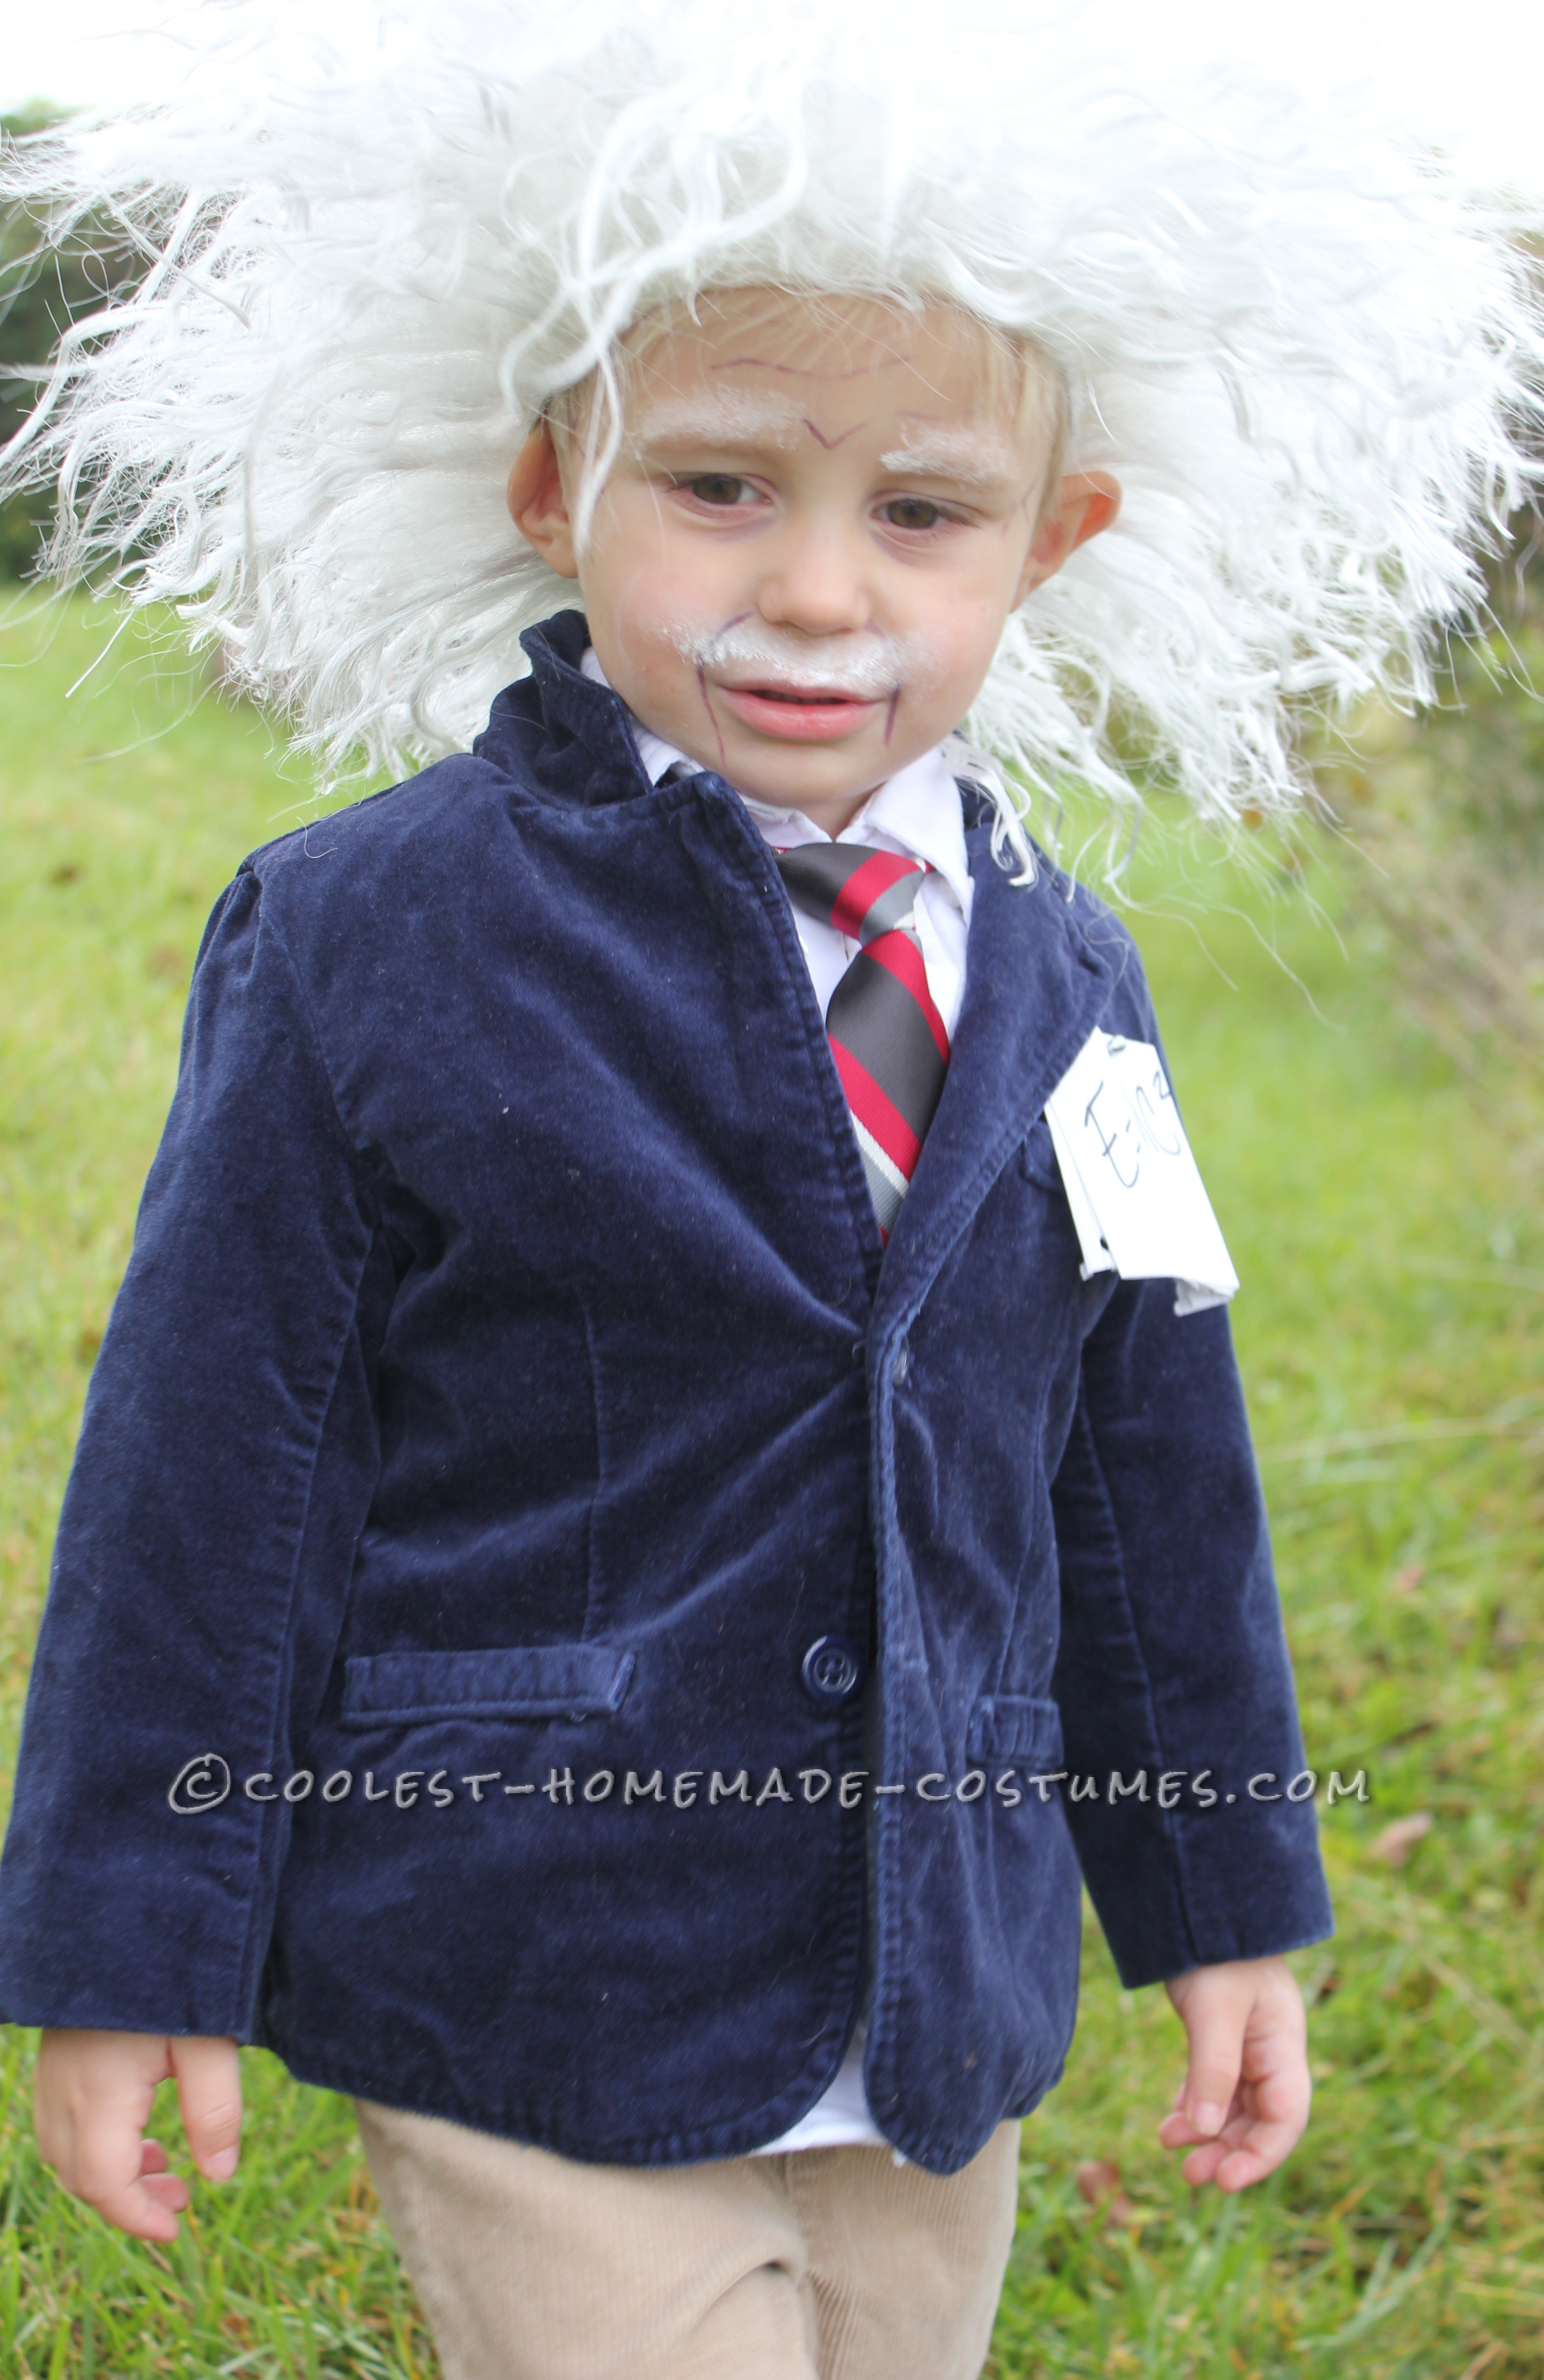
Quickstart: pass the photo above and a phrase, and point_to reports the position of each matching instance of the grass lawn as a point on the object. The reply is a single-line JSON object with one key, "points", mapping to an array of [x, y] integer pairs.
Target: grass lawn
{"points": [[1385, 1222]]}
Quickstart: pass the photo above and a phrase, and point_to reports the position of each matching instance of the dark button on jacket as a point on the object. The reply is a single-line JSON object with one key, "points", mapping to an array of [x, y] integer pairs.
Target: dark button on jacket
{"points": [[832, 1670], [479, 1424]]}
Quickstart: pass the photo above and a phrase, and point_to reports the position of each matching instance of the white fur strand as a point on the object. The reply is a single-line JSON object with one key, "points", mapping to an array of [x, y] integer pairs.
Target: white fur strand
{"points": [[1313, 361]]}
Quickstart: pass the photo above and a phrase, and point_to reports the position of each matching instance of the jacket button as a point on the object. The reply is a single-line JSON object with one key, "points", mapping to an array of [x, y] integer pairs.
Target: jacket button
{"points": [[832, 1670]]}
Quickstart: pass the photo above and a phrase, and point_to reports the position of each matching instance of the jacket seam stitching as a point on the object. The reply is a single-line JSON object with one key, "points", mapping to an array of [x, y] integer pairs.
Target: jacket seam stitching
{"points": [[357, 1163], [591, 1584], [1169, 1832], [248, 1970], [1010, 1632]]}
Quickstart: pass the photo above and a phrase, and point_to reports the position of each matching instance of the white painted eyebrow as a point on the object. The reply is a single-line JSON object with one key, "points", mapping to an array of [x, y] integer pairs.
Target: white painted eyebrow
{"points": [[964, 454], [726, 417]]}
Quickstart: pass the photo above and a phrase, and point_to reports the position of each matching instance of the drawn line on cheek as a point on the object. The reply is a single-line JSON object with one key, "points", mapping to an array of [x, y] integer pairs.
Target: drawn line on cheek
{"points": [[732, 621], [702, 689]]}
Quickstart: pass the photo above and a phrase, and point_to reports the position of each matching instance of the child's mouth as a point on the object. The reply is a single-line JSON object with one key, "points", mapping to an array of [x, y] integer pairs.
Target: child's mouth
{"points": [[799, 714]]}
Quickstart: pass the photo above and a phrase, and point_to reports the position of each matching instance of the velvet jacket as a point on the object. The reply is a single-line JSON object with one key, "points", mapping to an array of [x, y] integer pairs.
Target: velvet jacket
{"points": [[510, 1410]]}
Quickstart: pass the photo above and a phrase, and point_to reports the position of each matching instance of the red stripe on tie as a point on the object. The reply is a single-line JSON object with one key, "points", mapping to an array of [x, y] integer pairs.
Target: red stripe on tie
{"points": [[899, 955], [875, 1112], [863, 888]]}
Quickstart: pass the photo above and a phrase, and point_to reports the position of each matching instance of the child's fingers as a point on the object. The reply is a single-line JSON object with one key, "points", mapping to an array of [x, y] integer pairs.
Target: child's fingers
{"points": [[1177, 2131], [93, 2094], [1250, 2148], [159, 2186], [1203, 2162], [1246, 2030], [1276, 2103], [1200, 2166], [1214, 2016], [209, 2087], [145, 2210], [1260, 2154]]}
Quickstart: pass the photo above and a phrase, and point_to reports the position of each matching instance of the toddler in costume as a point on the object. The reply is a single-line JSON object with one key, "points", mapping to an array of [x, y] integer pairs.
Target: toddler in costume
{"points": [[609, 1517]]}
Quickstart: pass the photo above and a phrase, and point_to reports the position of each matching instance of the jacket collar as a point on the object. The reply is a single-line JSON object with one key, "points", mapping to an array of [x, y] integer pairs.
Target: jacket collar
{"points": [[574, 738], [1039, 969]]}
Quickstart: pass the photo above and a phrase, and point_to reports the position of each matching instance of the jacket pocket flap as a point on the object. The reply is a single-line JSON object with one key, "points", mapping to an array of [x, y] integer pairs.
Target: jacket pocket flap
{"points": [[1026, 1727], [506, 1682]]}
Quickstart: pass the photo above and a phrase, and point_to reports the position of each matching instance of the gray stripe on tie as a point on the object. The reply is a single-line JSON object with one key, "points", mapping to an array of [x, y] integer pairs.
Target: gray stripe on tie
{"points": [[892, 908], [877, 1022]]}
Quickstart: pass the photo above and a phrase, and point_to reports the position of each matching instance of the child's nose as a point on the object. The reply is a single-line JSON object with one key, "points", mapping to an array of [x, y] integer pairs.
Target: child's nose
{"points": [[815, 582]]}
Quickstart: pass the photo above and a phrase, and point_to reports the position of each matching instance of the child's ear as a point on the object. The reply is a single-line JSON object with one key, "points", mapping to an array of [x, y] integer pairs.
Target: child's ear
{"points": [[536, 504], [1085, 503]]}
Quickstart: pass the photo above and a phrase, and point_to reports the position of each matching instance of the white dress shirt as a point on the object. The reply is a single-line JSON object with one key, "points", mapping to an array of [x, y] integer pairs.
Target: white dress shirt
{"points": [[917, 813]]}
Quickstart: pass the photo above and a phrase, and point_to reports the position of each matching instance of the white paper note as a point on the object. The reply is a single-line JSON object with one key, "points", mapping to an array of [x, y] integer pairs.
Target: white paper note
{"points": [[1136, 1199]]}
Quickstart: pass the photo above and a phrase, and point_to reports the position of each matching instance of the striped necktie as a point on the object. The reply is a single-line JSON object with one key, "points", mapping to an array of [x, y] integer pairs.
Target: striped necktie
{"points": [[886, 1036]]}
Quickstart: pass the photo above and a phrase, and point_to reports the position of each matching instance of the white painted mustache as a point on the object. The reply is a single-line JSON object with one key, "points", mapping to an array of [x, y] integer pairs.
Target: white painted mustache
{"points": [[878, 666]]}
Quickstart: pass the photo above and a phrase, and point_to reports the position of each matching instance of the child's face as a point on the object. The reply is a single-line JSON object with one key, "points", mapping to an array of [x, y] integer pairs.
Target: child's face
{"points": [[803, 558]]}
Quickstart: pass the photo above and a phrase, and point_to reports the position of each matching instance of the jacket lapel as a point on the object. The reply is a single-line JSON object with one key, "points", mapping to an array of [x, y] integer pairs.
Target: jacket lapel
{"points": [[1036, 984], [1034, 989]]}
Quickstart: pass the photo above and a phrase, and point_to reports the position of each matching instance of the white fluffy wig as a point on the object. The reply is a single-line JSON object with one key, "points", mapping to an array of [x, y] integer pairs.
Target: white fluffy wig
{"points": [[1312, 360]]}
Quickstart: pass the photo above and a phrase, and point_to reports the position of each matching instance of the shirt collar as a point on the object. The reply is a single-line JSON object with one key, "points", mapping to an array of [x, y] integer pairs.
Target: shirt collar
{"points": [[918, 809]]}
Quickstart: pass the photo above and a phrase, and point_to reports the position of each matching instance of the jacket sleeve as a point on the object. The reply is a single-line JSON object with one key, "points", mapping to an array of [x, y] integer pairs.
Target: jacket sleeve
{"points": [[224, 1465], [1172, 1661]]}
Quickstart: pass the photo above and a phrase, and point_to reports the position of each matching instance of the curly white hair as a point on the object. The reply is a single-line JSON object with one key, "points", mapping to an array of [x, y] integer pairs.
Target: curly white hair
{"points": [[1312, 360]]}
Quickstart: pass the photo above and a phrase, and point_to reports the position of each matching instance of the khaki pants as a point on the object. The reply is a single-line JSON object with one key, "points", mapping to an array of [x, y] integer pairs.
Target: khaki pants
{"points": [[814, 2264]]}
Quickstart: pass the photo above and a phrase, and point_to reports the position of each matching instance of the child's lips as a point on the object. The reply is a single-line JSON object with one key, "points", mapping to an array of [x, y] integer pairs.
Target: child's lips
{"points": [[799, 714]]}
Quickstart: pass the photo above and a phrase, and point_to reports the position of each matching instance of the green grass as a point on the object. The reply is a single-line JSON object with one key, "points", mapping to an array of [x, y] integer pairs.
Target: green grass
{"points": [[1390, 1328]]}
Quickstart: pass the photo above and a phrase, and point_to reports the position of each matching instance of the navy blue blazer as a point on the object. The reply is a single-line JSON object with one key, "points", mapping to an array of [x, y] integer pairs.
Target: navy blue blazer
{"points": [[512, 1481]]}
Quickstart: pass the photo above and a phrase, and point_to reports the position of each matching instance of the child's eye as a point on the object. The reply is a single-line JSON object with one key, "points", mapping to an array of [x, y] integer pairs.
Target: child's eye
{"points": [[913, 512], [719, 487]]}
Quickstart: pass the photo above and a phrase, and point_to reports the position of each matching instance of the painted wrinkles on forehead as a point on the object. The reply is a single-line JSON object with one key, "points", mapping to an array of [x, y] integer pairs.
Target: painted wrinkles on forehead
{"points": [[958, 450], [764, 416], [809, 372], [771, 421]]}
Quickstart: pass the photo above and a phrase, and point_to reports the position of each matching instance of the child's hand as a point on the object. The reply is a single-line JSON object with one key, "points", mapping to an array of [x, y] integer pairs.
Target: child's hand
{"points": [[91, 2100], [1246, 2093]]}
